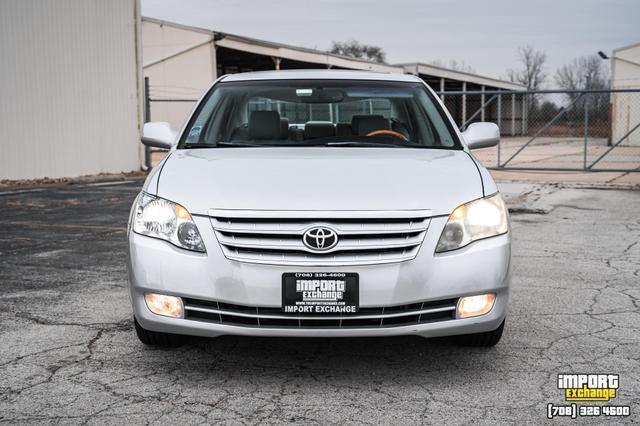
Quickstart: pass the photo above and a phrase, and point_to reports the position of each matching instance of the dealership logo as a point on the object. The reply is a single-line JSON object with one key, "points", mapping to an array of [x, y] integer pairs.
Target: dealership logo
{"points": [[585, 394], [321, 290], [320, 238], [588, 387]]}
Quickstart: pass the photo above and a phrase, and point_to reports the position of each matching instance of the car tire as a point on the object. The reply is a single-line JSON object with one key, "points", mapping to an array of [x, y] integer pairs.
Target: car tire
{"points": [[486, 339], [155, 338]]}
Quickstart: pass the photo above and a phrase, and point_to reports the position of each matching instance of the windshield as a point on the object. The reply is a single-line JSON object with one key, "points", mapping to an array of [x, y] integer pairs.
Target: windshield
{"points": [[319, 113]]}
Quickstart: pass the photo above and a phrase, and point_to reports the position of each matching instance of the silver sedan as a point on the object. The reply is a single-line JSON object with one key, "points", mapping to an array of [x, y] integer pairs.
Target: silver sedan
{"points": [[319, 204]]}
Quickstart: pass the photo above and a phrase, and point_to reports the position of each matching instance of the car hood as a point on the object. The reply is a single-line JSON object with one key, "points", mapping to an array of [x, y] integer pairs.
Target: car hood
{"points": [[319, 179]]}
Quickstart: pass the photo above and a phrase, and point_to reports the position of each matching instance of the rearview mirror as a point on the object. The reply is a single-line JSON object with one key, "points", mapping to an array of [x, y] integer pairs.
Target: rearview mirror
{"points": [[481, 135], [158, 134]]}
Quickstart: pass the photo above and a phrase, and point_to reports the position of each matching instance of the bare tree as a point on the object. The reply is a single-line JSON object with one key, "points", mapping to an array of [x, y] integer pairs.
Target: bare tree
{"points": [[585, 73], [531, 74], [454, 65], [355, 49]]}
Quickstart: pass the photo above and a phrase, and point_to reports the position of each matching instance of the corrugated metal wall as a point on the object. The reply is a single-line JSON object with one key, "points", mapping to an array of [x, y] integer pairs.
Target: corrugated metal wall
{"points": [[70, 98]]}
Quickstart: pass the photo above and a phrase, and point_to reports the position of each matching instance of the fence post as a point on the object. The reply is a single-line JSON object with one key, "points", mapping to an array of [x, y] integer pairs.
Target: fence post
{"points": [[586, 128], [513, 114], [147, 118], [499, 128], [524, 114], [464, 103], [482, 114]]}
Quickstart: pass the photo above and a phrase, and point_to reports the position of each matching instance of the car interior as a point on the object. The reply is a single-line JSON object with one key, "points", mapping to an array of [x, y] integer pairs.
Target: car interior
{"points": [[269, 125], [272, 115]]}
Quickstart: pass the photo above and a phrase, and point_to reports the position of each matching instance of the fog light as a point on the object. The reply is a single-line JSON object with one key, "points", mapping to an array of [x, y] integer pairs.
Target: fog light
{"points": [[472, 306], [169, 306]]}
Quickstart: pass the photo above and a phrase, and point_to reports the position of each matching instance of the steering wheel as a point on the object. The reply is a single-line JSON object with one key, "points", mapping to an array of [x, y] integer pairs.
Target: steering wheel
{"points": [[388, 133]]}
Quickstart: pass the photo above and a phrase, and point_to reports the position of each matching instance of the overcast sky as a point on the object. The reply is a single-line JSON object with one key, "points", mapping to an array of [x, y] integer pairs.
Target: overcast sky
{"points": [[484, 34]]}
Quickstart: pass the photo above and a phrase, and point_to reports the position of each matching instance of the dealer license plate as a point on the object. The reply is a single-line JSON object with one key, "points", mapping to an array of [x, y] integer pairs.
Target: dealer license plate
{"points": [[320, 293]]}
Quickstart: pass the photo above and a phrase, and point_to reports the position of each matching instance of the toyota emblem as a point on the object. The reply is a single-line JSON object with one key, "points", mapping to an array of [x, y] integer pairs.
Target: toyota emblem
{"points": [[320, 238]]}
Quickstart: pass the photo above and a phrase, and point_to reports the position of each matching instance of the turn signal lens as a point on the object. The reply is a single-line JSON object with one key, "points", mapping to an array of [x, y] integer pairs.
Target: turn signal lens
{"points": [[182, 213], [168, 306], [472, 306]]}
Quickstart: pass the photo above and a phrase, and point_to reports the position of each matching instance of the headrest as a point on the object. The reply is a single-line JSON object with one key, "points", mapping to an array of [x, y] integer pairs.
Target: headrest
{"points": [[369, 124], [343, 129], [319, 129], [264, 125], [356, 119], [284, 128]]}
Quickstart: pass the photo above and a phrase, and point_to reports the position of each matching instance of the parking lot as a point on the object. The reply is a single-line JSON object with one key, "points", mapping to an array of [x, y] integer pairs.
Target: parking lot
{"points": [[70, 354]]}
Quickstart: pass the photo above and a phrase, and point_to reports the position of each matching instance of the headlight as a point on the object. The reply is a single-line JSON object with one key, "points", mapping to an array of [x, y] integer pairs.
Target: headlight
{"points": [[473, 221], [159, 218]]}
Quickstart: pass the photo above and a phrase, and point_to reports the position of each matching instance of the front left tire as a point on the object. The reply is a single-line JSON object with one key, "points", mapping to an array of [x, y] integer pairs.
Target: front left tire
{"points": [[155, 338], [486, 339]]}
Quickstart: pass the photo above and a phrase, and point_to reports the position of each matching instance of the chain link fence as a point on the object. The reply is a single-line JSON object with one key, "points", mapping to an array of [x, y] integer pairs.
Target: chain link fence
{"points": [[589, 130], [552, 130]]}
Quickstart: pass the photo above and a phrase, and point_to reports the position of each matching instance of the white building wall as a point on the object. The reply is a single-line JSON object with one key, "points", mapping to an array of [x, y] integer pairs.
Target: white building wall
{"points": [[625, 111], [70, 98], [180, 65]]}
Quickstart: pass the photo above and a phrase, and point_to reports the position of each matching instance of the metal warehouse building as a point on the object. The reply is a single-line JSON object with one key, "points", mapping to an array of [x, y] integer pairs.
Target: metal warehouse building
{"points": [[625, 107], [70, 92], [182, 61]]}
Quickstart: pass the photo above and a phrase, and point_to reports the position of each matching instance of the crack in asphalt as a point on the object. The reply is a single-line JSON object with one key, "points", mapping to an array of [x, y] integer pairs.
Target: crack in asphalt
{"points": [[73, 356]]}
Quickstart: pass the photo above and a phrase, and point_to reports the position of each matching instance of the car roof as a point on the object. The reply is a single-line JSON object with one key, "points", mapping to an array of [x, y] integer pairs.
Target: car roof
{"points": [[319, 75]]}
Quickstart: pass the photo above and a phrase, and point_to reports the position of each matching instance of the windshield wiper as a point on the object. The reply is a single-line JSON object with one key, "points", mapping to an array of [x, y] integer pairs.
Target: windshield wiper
{"points": [[374, 143], [197, 145], [307, 143], [240, 144], [219, 143]]}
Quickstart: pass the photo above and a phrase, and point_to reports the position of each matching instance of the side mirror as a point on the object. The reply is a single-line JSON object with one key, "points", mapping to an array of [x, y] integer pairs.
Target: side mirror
{"points": [[481, 135], [158, 134]]}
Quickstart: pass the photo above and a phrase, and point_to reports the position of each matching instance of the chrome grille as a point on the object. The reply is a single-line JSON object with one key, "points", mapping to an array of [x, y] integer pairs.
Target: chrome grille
{"points": [[382, 317], [364, 237]]}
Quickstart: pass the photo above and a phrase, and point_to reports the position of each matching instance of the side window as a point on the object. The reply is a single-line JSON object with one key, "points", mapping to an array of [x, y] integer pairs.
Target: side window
{"points": [[197, 129], [437, 130], [300, 112], [381, 107], [260, 104], [321, 112], [295, 112], [373, 106]]}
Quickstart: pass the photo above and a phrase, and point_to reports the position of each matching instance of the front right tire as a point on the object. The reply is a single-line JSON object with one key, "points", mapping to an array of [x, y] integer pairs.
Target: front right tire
{"points": [[486, 339], [155, 338]]}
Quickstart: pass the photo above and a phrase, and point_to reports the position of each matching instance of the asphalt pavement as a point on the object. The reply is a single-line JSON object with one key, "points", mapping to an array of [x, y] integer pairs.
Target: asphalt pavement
{"points": [[69, 354]]}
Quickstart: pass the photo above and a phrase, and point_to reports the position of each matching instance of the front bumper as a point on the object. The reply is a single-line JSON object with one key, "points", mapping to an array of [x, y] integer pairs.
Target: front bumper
{"points": [[159, 267]]}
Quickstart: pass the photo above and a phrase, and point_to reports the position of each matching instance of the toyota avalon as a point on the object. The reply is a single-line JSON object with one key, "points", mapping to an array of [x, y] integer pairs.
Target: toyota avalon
{"points": [[319, 204]]}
